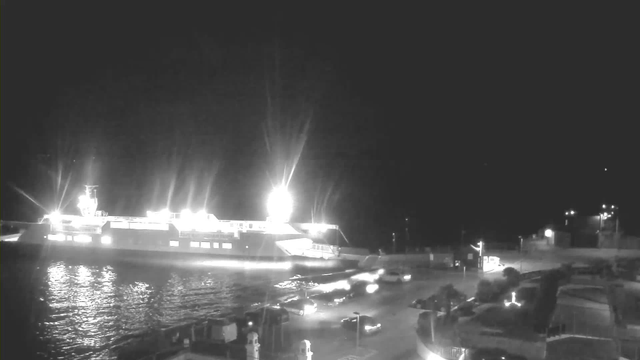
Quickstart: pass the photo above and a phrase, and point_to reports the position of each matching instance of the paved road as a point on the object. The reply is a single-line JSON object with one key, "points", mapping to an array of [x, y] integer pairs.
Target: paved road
{"points": [[389, 306]]}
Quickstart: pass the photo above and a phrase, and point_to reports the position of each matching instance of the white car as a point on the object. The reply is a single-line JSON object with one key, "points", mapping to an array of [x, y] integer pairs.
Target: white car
{"points": [[394, 276]]}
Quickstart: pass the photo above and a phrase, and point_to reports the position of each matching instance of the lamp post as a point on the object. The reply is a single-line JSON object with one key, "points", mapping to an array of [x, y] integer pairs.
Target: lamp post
{"points": [[479, 250], [357, 331], [614, 210], [550, 234], [569, 213], [394, 243], [521, 256], [406, 229]]}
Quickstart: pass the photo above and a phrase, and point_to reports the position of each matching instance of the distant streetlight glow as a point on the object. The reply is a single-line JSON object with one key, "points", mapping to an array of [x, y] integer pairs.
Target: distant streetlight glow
{"points": [[280, 205], [548, 233]]}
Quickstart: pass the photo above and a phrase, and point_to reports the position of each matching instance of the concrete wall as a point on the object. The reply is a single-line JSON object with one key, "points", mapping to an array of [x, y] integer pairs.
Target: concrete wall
{"points": [[354, 251], [407, 261], [612, 241]]}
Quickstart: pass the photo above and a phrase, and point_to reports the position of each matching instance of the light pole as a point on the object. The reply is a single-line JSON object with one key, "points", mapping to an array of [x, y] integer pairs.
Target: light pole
{"points": [[521, 255], [357, 331], [406, 229], [569, 213], [550, 234], [479, 250], [394, 243]]}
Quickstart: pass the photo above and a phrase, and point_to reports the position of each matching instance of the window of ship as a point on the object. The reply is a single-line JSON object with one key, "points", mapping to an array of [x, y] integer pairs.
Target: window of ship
{"points": [[216, 245], [226, 245], [205, 245], [195, 244], [175, 243]]}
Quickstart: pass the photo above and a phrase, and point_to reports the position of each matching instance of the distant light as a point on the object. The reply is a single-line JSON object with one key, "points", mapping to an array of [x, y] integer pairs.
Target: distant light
{"points": [[280, 205], [380, 271], [371, 288], [548, 233], [12, 238], [56, 237], [605, 169], [407, 277], [573, 212], [604, 206], [566, 213], [106, 240], [82, 238], [55, 217], [248, 265]]}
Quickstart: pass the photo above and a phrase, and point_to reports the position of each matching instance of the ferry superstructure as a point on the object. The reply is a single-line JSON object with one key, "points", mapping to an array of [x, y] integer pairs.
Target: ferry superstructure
{"points": [[185, 232]]}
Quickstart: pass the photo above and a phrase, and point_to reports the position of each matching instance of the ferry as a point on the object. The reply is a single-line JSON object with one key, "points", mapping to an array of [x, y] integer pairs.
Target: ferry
{"points": [[203, 235]]}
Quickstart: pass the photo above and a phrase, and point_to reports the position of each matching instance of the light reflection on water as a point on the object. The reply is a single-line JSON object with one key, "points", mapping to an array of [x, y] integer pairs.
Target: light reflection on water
{"points": [[82, 311]]}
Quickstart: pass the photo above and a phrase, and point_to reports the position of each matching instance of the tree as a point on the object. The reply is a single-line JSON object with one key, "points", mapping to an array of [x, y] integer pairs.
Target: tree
{"points": [[484, 291], [512, 276], [448, 293]]}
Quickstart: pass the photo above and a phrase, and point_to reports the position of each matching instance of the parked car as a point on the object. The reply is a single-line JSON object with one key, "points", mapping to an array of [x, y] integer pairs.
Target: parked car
{"points": [[361, 288], [368, 325], [300, 306], [438, 302], [333, 298], [267, 316], [394, 276]]}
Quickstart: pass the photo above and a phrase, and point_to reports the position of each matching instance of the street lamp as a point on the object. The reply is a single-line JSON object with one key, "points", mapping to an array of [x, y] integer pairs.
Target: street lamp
{"points": [[607, 214], [394, 243], [406, 229], [569, 213], [479, 250], [550, 234], [280, 205], [357, 330]]}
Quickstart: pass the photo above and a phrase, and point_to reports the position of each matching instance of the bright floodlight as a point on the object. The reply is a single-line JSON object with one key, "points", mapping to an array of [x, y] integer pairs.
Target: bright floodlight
{"points": [[55, 217], [280, 205], [548, 233]]}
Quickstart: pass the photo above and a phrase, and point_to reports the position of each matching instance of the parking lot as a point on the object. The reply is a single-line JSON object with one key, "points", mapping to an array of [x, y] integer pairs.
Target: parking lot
{"points": [[389, 305]]}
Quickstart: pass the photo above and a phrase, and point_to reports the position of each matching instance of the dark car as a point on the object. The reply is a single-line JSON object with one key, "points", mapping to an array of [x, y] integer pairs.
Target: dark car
{"points": [[333, 298], [368, 325], [363, 288], [268, 316], [300, 306], [438, 302]]}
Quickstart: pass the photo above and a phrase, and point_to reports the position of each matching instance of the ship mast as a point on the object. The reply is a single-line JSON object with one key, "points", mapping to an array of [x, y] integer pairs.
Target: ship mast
{"points": [[88, 203]]}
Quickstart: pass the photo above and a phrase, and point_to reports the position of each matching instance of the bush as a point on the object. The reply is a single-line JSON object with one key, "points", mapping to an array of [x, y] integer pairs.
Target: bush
{"points": [[484, 292], [545, 302], [500, 288], [512, 276]]}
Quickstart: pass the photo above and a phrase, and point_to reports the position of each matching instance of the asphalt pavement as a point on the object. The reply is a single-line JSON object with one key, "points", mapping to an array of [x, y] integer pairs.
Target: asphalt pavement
{"points": [[390, 306]]}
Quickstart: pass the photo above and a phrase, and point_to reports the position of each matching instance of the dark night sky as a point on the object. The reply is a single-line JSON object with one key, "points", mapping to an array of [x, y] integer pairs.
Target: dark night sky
{"points": [[499, 119]]}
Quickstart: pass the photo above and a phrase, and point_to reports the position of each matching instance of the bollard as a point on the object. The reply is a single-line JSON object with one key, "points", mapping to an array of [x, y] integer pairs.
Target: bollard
{"points": [[253, 346], [185, 343], [304, 351], [193, 332]]}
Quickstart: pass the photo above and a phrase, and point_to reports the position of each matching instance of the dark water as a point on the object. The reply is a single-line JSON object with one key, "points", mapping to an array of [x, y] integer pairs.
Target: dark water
{"points": [[73, 309]]}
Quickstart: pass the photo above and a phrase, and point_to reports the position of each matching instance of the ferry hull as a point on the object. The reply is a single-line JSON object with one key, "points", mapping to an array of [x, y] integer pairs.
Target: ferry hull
{"points": [[247, 250]]}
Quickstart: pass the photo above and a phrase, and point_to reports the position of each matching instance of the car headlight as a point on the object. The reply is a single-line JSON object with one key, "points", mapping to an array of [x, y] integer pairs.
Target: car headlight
{"points": [[309, 309], [380, 271], [407, 277], [371, 288], [369, 327]]}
